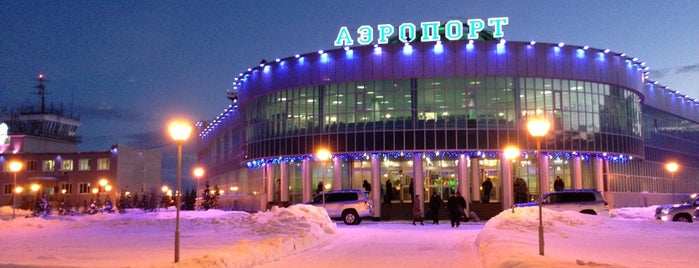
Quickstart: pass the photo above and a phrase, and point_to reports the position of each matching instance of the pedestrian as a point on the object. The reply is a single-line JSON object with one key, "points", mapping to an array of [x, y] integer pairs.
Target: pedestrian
{"points": [[453, 210], [435, 204], [320, 187], [367, 186], [487, 186], [417, 210], [521, 191], [462, 205], [389, 192], [558, 184], [411, 189]]}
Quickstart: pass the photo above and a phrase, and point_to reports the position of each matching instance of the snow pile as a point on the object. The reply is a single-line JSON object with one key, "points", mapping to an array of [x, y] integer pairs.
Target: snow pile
{"points": [[212, 238], [277, 233], [572, 239]]}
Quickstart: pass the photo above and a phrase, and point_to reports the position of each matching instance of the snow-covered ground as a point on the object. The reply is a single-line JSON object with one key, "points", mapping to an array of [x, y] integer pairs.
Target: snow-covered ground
{"points": [[292, 236]]}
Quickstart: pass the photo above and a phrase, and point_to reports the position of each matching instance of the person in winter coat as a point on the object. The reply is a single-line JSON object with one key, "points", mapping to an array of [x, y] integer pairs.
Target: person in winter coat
{"points": [[454, 210], [558, 184], [417, 212], [435, 204], [487, 187], [367, 186]]}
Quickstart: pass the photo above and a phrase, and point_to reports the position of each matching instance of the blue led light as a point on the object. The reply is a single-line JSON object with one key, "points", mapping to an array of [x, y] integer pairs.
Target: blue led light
{"points": [[438, 47], [407, 49], [469, 46]]}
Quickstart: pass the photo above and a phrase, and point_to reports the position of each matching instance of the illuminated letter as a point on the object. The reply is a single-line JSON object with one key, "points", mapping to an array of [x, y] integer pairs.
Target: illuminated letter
{"points": [[430, 31], [498, 23], [411, 32], [385, 30], [343, 37], [366, 35], [454, 30], [474, 27]]}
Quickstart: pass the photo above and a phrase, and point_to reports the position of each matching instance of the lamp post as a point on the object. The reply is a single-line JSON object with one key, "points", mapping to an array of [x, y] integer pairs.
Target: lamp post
{"points": [[672, 167], [15, 166], [323, 155], [510, 153], [198, 173], [538, 128], [179, 131]]}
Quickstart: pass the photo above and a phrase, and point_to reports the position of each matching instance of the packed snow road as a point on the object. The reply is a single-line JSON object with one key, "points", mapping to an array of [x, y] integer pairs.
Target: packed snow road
{"points": [[391, 244]]}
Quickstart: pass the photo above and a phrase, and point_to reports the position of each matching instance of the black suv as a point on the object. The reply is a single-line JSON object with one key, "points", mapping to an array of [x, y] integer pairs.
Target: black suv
{"points": [[349, 205]]}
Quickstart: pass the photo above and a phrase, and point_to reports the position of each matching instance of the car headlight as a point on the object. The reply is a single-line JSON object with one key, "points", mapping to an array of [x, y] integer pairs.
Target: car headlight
{"points": [[665, 211]]}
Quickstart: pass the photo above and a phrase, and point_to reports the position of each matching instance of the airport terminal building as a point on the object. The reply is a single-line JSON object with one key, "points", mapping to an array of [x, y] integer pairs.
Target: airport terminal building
{"points": [[438, 115]]}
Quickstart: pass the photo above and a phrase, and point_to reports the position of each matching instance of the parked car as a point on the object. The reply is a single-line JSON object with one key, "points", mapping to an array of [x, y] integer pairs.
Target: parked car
{"points": [[685, 211], [349, 205], [586, 201]]}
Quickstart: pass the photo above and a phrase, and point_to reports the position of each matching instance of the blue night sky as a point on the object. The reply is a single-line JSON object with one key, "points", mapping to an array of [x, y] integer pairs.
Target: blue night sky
{"points": [[128, 67]]}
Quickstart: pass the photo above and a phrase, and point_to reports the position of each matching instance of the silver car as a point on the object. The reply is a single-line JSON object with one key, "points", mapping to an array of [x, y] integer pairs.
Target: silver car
{"points": [[349, 205], [586, 201], [683, 211]]}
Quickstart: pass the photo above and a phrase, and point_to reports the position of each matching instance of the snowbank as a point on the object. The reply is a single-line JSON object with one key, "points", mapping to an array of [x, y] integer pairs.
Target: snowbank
{"points": [[573, 239]]}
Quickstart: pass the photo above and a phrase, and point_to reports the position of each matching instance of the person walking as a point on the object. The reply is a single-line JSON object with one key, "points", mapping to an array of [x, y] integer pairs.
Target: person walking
{"points": [[462, 205], [453, 210], [558, 184], [435, 204], [417, 210], [320, 187], [487, 186]]}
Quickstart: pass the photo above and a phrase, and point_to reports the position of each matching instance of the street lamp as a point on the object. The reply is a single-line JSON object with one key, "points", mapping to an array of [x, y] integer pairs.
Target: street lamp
{"points": [[179, 131], [538, 128], [15, 166], [672, 167], [511, 153], [198, 173], [323, 155], [102, 184]]}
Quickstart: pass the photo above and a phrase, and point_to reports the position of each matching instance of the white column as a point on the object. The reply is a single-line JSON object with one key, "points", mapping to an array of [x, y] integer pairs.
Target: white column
{"points": [[419, 180], [269, 182], [599, 173], [475, 180], [376, 182], [306, 179], [576, 171], [463, 180], [545, 184], [507, 197], [337, 173], [284, 183]]}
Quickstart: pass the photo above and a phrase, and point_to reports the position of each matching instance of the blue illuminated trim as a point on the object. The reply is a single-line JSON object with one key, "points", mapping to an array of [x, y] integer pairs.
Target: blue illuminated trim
{"points": [[435, 155]]}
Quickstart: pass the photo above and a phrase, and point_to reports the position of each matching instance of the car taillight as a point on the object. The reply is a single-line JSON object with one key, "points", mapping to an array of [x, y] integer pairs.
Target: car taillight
{"points": [[606, 205]]}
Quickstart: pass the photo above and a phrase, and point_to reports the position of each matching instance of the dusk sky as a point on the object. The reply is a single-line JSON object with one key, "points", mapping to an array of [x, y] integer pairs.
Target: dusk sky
{"points": [[128, 67]]}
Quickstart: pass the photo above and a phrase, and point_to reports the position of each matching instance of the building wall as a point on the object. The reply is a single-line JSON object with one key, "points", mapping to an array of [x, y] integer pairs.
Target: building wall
{"points": [[122, 167], [288, 108]]}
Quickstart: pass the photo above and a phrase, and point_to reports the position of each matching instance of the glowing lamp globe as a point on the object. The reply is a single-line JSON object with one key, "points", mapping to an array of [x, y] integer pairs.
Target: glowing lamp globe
{"points": [[179, 130], [538, 127], [672, 167], [15, 166]]}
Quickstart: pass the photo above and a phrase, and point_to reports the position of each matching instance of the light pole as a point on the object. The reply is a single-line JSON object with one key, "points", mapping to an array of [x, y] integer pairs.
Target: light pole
{"points": [[323, 155], [15, 166], [510, 153], [538, 128], [198, 173], [672, 167], [179, 131]]}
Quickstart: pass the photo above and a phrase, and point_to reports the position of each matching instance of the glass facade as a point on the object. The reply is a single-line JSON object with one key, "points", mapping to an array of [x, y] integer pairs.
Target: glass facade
{"points": [[428, 114]]}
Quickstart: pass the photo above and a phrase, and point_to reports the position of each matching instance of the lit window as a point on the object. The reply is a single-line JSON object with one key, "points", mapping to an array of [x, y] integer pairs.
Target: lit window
{"points": [[67, 165], [103, 164], [85, 188], [84, 164], [48, 165]]}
